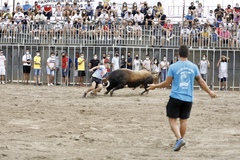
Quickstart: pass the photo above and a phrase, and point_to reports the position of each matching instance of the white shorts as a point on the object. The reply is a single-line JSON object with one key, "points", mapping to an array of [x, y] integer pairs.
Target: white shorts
{"points": [[50, 72], [75, 73], [222, 75], [2, 71]]}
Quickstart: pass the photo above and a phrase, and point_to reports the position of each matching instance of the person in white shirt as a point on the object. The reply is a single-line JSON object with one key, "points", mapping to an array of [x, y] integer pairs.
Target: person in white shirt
{"points": [[77, 16], [155, 70], [211, 19], [40, 17], [203, 66], [51, 65], [57, 29], [139, 18], [18, 17], [68, 28], [129, 16], [26, 60], [115, 62], [164, 65], [114, 9], [146, 65], [137, 63], [223, 71], [137, 31], [2, 67], [102, 18], [185, 35]]}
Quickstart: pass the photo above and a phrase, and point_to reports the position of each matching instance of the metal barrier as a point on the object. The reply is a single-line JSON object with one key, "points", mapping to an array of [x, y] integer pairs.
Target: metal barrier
{"points": [[15, 52]]}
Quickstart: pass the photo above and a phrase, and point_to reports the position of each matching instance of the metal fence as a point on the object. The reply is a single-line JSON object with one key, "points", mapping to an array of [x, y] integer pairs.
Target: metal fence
{"points": [[15, 52]]}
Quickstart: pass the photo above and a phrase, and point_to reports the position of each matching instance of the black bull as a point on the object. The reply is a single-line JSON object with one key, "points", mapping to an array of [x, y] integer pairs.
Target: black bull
{"points": [[133, 79]]}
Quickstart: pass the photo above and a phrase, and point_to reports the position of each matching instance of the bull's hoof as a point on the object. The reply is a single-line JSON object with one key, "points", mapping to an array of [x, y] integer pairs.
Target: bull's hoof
{"points": [[111, 94], [105, 93]]}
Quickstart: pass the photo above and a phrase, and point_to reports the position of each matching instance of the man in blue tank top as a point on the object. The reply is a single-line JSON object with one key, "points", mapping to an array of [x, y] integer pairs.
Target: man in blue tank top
{"points": [[181, 75]]}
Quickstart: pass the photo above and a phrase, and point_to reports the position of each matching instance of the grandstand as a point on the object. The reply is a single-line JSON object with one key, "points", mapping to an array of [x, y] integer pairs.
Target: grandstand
{"points": [[154, 35]]}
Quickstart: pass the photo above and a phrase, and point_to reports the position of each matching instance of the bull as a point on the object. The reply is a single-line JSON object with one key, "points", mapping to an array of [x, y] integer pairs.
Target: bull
{"points": [[122, 77]]}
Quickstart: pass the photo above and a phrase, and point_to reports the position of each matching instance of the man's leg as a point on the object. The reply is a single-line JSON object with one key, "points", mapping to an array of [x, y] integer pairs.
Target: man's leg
{"points": [[174, 127], [183, 127]]}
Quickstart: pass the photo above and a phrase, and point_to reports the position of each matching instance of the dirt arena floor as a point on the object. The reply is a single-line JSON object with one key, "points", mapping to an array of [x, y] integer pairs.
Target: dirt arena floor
{"points": [[56, 123]]}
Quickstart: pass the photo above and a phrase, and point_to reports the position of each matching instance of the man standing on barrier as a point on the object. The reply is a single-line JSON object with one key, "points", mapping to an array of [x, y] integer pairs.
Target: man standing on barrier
{"points": [[2, 67], [26, 60]]}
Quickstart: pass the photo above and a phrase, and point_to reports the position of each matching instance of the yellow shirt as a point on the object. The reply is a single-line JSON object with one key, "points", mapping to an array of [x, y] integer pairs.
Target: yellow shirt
{"points": [[81, 66], [205, 34], [37, 59]]}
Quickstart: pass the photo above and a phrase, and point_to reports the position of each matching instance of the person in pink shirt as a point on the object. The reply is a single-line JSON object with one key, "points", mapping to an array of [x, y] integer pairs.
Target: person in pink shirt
{"points": [[225, 37]]}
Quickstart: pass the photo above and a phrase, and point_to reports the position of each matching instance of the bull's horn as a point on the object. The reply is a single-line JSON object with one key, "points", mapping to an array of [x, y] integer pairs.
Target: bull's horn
{"points": [[108, 83]]}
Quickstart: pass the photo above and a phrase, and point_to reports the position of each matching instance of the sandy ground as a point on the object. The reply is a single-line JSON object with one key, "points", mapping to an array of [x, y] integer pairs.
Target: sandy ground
{"points": [[56, 123]]}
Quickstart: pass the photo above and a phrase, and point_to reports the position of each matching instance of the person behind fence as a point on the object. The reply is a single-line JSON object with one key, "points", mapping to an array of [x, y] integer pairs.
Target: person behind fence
{"points": [[164, 65], [37, 68], [129, 61], [223, 71], [123, 61], [64, 69], [26, 60], [181, 76], [56, 68], [97, 79], [2, 67], [146, 64], [155, 70], [81, 69], [115, 62], [93, 63], [70, 65], [76, 68], [204, 64], [51, 65], [137, 63]]}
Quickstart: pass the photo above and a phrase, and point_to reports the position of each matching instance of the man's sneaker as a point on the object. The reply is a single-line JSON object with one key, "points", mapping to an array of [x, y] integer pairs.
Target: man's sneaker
{"points": [[84, 94], [3, 82], [49, 84], [179, 144]]}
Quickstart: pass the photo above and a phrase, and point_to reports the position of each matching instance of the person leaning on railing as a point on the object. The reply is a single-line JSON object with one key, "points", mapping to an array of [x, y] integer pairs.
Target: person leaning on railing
{"points": [[40, 17], [67, 10], [57, 30], [27, 8]]}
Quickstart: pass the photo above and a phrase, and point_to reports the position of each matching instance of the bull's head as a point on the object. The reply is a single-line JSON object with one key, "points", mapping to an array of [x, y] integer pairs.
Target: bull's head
{"points": [[105, 82]]}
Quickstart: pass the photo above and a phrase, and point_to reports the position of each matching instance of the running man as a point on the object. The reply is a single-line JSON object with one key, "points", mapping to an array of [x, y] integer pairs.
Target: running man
{"points": [[97, 77], [181, 76]]}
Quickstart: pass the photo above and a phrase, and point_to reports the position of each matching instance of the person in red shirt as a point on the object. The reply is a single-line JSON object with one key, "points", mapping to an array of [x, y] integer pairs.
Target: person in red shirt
{"points": [[47, 11], [64, 68], [168, 29], [36, 8], [229, 11]]}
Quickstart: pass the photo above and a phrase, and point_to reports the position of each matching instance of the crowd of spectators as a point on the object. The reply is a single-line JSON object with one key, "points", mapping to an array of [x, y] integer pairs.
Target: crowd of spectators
{"points": [[109, 21]]}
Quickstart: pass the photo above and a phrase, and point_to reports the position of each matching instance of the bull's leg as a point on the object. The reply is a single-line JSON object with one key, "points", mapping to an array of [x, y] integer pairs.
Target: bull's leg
{"points": [[120, 86], [145, 84], [144, 91]]}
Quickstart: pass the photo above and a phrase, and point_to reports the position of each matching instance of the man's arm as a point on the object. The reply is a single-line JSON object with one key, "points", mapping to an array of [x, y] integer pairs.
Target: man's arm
{"points": [[204, 86], [96, 67], [163, 84]]}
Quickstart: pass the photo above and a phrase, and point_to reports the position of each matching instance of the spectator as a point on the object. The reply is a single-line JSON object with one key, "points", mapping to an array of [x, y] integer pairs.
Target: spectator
{"points": [[25, 24], [57, 68], [103, 58], [26, 60], [81, 69], [47, 11], [189, 17], [139, 18], [89, 9], [146, 64], [18, 8], [137, 31], [129, 61], [99, 9], [159, 7], [237, 38], [149, 19], [36, 30], [68, 28], [199, 11], [58, 30], [155, 70], [7, 15], [157, 38], [154, 11], [129, 29], [77, 16], [2, 67], [236, 10], [107, 7], [175, 59], [58, 10], [51, 65], [123, 61], [136, 63], [102, 18], [219, 12], [168, 30], [164, 65], [48, 29], [75, 8], [114, 9], [128, 16], [236, 20], [18, 17], [27, 8], [124, 9], [211, 20], [162, 18], [93, 63], [194, 36], [115, 62], [214, 37], [5, 7], [37, 68], [76, 68], [225, 37], [134, 8], [64, 69], [143, 10], [41, 18], [229, 12], [204, 64], [11, 30], [67, 10], [36, 7], [223, 71], [205, 36], [70, 65], [192, 9], [185, 34]]}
